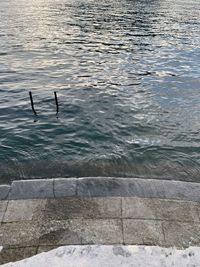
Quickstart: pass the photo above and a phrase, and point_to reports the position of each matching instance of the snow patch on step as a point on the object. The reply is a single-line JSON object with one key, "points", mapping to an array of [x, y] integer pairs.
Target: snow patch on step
{"points": [[113, 256]]}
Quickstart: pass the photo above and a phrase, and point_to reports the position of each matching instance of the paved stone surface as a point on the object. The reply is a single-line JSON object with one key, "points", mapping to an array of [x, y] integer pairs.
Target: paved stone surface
{"points": [[145, 188], [24, 210], [30, 189], [15, 254], [25, 234], [181, 234], [58, 233], [3, 205], [21, 234], [66, 208], [120, 187], [182, 190], [108, 187], [4, 191], [102, 231], [160, 209], [143, 232], [65, 187], [98, 211], [101, 187], [78, 231]]}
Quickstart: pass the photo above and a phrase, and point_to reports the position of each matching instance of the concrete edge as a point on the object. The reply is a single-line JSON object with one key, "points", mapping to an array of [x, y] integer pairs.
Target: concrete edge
{"points": [[100, 187], [4, 191]]}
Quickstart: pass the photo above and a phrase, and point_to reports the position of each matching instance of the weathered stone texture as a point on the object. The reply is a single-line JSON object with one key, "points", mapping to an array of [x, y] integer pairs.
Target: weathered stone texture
{"points": [[76, 231], [3, 205], [67, 208], [160, 209], [60, 232], [31, 189], [50, 222], [4, 191], [20, 234], [16, 254], [143, 232], [181, 234], [101, 187], [65, 187], [102, 231], [133, 187], [24, 210]]}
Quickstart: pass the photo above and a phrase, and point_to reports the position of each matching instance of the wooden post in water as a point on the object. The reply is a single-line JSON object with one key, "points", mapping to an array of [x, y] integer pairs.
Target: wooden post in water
{"points": [[32, 104], [57, 106]]}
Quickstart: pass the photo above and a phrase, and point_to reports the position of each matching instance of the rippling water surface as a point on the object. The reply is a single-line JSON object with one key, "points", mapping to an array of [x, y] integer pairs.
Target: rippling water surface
{"points": [[126, 74]]}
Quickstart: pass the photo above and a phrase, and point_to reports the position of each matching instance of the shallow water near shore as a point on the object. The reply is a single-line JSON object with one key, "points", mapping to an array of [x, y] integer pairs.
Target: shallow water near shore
{"points": [[127, 79]]}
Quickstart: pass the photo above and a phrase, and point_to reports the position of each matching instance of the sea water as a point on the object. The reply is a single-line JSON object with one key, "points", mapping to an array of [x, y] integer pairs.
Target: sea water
{"points": [[126, 73]]}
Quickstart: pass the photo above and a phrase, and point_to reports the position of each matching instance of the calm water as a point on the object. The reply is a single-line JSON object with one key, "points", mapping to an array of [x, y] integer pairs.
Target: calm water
{"points": [[127, 79]]}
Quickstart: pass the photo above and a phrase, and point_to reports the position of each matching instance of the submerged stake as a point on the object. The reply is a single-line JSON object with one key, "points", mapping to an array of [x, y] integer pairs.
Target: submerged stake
{"points": [[57, 106], [32, 104]]}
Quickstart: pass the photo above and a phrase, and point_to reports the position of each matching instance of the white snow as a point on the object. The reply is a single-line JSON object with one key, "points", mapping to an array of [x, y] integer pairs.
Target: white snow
{"points": [[113, 256]]}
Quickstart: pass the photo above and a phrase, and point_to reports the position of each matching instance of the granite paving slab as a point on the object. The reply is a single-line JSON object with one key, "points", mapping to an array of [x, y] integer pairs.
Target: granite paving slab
{"points": [[101, 187], [4, 191], [160, 209], [21, 234], [57, 233], [144, 188], [81, 231], [143, 232], [181, 234], [98, 211], [31, 189], [15, 254], [65, 187], [24, 210], [3, 206], [66, 208], [102, 231]]}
